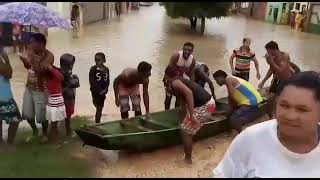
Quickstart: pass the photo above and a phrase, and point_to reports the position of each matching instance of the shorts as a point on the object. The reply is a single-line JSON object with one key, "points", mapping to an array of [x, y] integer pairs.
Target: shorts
{"points": [[69, 110], [34, 105], [132, 93], [98, 100], [245, 114], [55, 114], [202, 114], [243, 75], [274, 85], [9, 111]]}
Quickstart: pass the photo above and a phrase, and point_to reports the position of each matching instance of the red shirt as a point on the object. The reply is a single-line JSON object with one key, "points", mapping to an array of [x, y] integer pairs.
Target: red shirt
{"points": [[54, 83]]}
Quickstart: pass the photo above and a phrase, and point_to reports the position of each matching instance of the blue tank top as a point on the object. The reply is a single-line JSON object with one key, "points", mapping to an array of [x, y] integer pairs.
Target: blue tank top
{"points": [[5, 89]]}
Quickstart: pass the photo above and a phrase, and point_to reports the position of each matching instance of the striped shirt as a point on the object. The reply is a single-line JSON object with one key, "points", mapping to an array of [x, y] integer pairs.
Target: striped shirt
{"points": [[243, 60], [55, 100], [246, 94]]}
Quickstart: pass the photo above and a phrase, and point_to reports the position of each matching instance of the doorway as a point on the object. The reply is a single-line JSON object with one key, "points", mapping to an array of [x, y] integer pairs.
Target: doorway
{"points": [[275, 14]]}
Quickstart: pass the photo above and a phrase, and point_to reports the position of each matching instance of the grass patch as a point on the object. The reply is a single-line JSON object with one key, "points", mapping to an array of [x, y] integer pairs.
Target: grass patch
{"points": [[44, 160]]}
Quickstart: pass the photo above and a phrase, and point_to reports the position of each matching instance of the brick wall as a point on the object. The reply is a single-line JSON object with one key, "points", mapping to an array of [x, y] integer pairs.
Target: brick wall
{"points": [[259, 10]]}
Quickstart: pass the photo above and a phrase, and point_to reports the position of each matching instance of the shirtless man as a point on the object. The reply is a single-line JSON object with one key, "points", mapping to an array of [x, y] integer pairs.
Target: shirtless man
{"points": [[127, 85], [201, 73], [184, 63], [280, 67]]}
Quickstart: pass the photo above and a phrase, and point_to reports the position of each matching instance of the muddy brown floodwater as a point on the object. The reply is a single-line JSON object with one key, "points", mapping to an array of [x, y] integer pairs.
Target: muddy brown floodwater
{"points": [[149, 35]]}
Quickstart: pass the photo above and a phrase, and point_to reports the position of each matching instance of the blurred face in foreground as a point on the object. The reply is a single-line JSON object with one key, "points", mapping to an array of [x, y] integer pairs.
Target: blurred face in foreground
{"points": [[297, 112]]}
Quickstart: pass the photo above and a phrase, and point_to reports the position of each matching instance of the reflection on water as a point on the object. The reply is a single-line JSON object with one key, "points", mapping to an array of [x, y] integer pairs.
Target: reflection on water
{"points": [[149, 35]]}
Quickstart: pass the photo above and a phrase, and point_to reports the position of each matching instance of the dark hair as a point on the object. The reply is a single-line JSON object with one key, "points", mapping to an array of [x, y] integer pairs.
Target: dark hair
{"points": [[170, 71], [307, 79], [272, 45], [39, 38], [219, 73], [101, 55], [245, 39], [67, 59], [188, 44], [205, 67], [144, 67]]}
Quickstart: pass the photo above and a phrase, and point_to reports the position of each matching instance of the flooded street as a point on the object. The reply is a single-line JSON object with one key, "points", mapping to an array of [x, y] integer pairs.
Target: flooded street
{"points": [[149, 35]]}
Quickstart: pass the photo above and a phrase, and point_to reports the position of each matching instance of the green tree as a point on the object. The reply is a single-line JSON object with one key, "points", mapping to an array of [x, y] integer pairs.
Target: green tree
{"points": [[195, 10]]}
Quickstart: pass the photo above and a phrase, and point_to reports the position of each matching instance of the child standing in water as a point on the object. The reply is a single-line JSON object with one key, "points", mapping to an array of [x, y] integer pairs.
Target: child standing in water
{"points": [[55, 110], [69, 85], [99, 83]]}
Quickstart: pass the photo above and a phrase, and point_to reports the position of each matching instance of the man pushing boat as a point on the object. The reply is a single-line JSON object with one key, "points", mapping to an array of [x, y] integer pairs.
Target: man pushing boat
{"points": [[243, 99], [126, 86], [197, 105]]}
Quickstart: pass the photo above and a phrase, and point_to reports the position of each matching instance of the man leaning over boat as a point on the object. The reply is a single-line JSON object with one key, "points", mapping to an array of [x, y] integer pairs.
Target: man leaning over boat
{"points": [[197, 105]]}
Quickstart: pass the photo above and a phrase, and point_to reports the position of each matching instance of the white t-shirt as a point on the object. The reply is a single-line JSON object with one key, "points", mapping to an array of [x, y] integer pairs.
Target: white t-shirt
{"points": [[257, 152]]}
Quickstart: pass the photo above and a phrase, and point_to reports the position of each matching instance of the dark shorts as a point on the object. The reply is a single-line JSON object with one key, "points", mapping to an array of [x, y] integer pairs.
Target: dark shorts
{"points": [[274, 86], [98, 100], [243, 75], [245, 114]]}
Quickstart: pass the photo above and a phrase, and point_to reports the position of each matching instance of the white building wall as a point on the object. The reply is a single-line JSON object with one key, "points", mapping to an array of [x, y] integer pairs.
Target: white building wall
{"points": [[63, 8]]}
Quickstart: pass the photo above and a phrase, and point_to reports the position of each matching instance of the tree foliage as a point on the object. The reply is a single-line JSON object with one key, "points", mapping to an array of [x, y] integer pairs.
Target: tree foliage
{"points": [[194, 10], [197, 9]]}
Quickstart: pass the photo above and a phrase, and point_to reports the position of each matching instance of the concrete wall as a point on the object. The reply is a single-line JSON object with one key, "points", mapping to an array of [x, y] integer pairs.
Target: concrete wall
{"points": [[282, 15], [312, 23], [259, 10], [244, 8], [63, 8], [306, 4], [92, 12]]}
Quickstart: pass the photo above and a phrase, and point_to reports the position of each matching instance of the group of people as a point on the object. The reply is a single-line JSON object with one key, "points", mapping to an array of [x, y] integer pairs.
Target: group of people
{"points": [[49, 93], [296, 21], [294, 131], [288, 144]]}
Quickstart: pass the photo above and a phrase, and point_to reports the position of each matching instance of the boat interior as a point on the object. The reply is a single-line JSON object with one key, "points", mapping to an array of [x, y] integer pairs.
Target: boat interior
{"points": [[159, 121]]}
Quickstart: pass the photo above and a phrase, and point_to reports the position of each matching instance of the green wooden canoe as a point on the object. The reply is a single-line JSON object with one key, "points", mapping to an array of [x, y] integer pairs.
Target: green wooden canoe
{"points": [[162, 130]]}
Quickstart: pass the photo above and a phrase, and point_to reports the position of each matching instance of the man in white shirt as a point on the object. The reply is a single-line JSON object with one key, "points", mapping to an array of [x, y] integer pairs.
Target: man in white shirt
{"points": [[284, 147]]}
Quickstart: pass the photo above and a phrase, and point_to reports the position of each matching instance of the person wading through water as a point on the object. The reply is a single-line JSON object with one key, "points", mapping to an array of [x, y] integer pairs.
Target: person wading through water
{"points": [[281, 68], [244, 55]]}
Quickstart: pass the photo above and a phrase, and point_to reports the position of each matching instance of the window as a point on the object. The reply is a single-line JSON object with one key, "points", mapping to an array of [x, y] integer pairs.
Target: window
{"points": [[304, 8], [244, 4], [298, 6], [284, 6], [291, 6]]}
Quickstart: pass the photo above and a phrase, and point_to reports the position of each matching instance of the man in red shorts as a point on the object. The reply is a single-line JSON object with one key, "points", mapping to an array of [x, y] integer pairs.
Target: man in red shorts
{"points": [[126, 86]]}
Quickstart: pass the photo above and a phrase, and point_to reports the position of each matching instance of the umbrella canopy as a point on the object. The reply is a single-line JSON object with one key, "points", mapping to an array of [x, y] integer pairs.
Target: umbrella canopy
{"points": [[31, 13]]}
